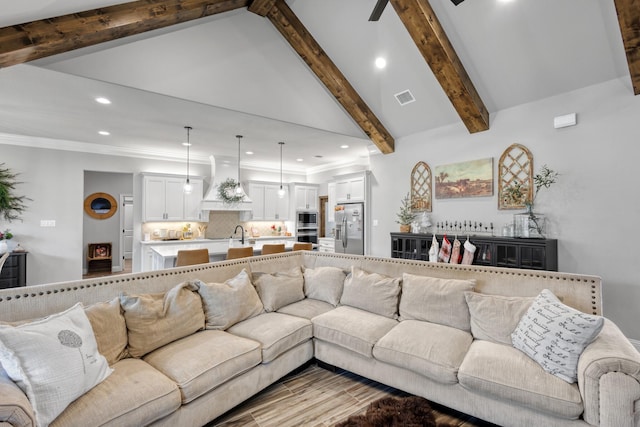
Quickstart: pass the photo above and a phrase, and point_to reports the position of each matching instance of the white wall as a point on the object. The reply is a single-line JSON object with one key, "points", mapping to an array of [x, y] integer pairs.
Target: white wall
{"points": [[594, 208], [54, 180]]}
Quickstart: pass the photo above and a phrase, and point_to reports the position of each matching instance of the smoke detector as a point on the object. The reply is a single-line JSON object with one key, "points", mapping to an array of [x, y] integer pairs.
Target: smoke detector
{"points": [[404, 97]]}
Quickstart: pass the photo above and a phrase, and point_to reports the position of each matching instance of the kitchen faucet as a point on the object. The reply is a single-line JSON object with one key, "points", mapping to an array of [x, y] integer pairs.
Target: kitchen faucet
{"points": [[242, 230]]}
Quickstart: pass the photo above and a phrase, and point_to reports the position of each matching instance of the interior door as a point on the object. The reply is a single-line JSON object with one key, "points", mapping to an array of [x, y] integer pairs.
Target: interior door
{"points": [[126, 221]]}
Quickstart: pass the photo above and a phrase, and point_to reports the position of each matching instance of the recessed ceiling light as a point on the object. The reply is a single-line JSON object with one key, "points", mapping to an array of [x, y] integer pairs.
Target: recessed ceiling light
{"points": [[381, 62], [505, 1], [186, 144], [249, 152], [104, 133], [103, 100], [344, 146], [299, 160]]}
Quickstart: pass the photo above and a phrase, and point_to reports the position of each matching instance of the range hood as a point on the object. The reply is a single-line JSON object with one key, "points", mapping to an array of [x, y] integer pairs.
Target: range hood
{"points": [[212, 201]]}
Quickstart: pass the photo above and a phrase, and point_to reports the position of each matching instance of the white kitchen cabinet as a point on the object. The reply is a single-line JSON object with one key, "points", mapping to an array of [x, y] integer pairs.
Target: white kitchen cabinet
{"points": [[164, 199], [306, 197], [326, 244], [266, 204], [350, 190], [331, 202]]}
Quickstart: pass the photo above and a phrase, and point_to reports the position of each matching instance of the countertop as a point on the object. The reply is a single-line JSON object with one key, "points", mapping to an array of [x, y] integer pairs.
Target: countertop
{"points": [[215, 247], [192, 241]]}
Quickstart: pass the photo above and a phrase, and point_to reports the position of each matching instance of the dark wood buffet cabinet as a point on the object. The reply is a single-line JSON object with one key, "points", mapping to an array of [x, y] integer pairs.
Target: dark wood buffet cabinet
{"points": [[14, 271], [510, 252]]}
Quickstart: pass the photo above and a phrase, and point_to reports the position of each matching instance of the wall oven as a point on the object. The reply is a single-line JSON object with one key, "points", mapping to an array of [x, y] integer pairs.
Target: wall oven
{"points": [[307, 226]]}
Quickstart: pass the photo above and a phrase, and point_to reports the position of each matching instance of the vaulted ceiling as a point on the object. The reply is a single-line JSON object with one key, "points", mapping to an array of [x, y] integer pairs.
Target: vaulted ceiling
{"points": [[300, 71]]}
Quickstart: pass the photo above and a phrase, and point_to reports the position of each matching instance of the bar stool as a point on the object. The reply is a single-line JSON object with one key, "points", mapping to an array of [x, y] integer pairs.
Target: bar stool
{"points": [[272, 249], [233, 253], [301, 246], [192, 256]]}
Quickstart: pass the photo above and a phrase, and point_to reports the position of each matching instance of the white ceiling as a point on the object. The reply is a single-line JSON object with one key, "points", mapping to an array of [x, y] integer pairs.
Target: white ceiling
{"points": [[234, 74]]}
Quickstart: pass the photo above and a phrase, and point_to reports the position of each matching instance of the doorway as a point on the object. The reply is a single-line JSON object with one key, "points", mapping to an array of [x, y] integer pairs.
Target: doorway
{"points": [[324, 200]]}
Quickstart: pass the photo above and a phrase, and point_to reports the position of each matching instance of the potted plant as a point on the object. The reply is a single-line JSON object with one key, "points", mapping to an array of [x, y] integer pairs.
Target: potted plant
{"points": [[405, 215], [531, 224], [11, 205]]}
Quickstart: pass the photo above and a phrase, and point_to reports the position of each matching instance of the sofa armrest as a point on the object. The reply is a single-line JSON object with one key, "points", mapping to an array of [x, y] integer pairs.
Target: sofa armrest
{"points": [[15, 408], [610, 353]]}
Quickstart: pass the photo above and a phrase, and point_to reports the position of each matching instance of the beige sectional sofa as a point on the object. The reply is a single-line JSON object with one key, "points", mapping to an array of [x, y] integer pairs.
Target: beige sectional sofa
{"points": [[185, 345]]}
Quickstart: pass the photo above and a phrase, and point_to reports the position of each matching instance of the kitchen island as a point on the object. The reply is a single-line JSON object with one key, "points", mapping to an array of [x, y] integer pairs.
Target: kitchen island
{"points": [[164, 255]]}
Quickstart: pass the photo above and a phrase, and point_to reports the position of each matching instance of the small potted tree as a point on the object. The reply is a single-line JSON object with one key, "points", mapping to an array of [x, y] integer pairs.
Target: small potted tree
{"points": [[405, 215]]}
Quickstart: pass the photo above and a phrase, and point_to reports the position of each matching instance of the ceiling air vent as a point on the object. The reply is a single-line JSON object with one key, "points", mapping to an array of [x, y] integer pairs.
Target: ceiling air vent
{"points": [[405, 97]]}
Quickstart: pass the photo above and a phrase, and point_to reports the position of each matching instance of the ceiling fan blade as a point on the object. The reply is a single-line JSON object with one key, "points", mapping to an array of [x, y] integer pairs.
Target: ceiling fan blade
{"points": [[377, 10], [456, 2]]}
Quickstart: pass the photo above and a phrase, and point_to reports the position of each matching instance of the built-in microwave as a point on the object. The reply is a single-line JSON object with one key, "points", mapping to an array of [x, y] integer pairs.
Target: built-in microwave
{"points": [[306, 219]]}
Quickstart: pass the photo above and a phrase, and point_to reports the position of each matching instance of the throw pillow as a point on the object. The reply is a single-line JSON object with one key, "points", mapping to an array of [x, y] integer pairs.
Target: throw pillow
{"points": [[53, 360], [494, 317], [436, 300], [109, 329], [279, 289], [228, 303], [554, 335], [324, 284], [154, 320], [372, 292]]}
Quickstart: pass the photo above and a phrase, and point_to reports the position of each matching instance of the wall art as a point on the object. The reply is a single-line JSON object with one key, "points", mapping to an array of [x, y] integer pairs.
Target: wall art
{"points": [[467, 179], [421, 188], [515, 177]]}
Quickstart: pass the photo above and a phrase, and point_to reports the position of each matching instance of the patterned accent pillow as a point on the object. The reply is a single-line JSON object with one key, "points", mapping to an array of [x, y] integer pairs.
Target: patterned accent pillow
{"points": [[555, 335], [53, 360]]}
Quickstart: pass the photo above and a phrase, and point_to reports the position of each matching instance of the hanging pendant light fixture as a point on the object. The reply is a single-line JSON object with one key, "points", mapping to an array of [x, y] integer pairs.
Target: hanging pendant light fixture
{"points": [[281, 191], [239, 187], [187, 186]]}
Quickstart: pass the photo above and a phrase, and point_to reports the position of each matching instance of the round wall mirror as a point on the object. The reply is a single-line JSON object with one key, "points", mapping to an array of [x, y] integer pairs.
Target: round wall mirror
{"points": [[100, 205]]}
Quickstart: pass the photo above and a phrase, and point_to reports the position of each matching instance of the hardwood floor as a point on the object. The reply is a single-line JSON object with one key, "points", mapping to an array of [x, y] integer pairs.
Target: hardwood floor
{"points": [[127, 269], [319, 397]]}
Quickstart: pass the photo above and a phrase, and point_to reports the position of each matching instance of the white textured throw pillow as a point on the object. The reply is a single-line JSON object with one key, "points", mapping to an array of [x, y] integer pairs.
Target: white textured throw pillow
{"points": [[324, 284], [279, 289], [372, 292], [554, 335], [53, 360]]}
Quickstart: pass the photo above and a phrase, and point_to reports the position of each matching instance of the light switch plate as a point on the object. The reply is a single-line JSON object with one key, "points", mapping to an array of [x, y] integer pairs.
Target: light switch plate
{"points": [[47, 223]]}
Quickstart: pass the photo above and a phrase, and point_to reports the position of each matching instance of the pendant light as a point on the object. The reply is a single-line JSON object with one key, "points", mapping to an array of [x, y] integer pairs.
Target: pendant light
{"points": [[187, 186], [281, 191], [239, 187]]}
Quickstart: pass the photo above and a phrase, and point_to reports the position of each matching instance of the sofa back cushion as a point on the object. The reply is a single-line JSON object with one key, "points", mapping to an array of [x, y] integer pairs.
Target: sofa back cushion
{"points": [[228, 303], [494, 317], [279, 289], [154, 320], [324, 284], [53, 360], [372, 292], [436, 300], [109, 328]]}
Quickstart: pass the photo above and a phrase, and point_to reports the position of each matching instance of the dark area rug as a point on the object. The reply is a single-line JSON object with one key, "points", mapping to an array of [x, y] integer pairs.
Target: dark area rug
{"points": [[411, 411]]}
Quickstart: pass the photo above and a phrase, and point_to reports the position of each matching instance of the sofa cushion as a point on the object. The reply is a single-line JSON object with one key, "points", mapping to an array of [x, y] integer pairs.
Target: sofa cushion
{"points": [[135, 394], [154, 320], [228, 303], [494, 317], [15, 409], [279, 289], [53, 360], [109, 329], [554, 335], [352, 328], [202, 361], [435, 300], [276, 332], [324, 284], [505, 373], [371, 292], [307, 308], [429, 349]]}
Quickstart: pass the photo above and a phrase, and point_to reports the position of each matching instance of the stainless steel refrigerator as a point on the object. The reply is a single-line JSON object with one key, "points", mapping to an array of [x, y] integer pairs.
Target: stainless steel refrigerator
{"points": [[350, 228]]}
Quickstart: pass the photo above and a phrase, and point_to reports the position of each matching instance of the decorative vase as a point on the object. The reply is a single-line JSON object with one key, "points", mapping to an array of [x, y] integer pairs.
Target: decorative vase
{"points": [[405, 228], [529, 224], [3, 247], [11, 244]]}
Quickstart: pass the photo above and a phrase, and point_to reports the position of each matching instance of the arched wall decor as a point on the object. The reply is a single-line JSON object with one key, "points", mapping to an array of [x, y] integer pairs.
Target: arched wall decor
{"points": [[515, 181], [100, 205], [421, 188]]}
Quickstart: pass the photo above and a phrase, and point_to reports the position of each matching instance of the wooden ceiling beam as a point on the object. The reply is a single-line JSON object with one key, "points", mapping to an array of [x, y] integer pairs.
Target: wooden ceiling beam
{"points": [[629, 20], [285, 21], [38, 39], [434, 45]]}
